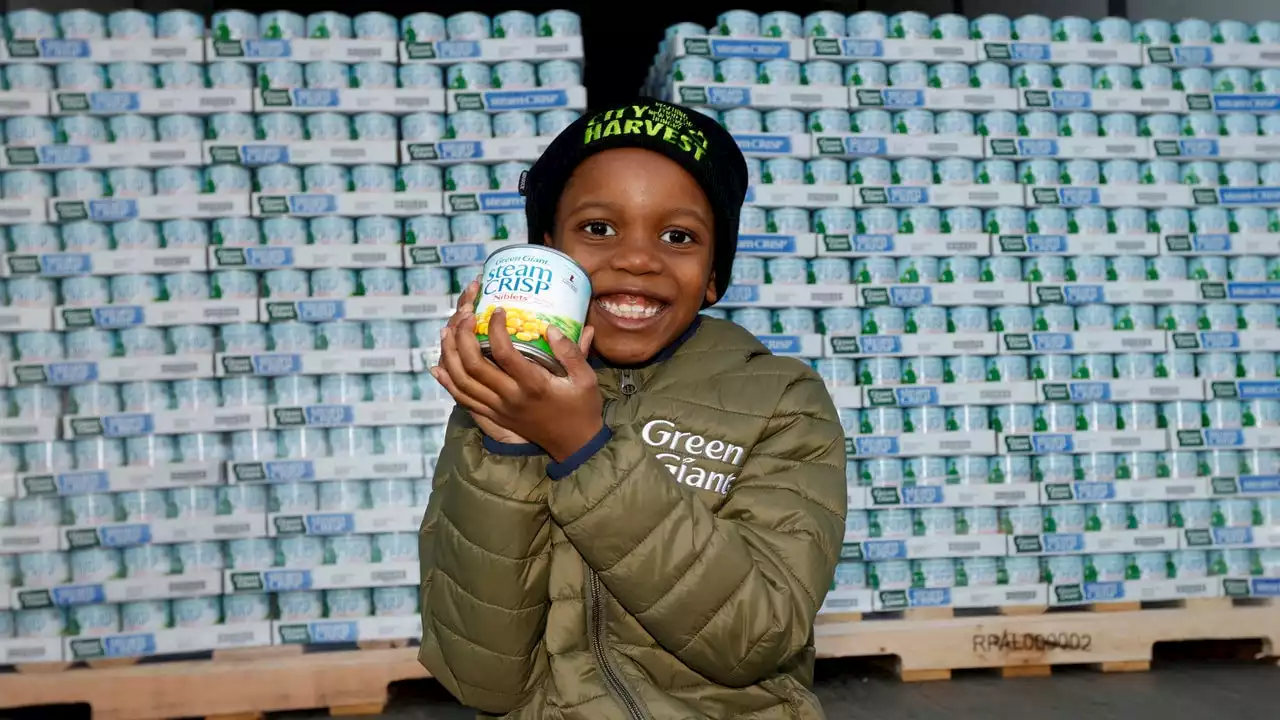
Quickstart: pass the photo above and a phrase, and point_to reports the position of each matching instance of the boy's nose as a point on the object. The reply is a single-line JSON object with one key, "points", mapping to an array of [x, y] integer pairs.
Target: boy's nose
{"points": [[637, 255]]}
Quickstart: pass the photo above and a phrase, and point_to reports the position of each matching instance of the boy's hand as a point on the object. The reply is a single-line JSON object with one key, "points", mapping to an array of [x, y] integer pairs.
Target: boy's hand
{"points": [[517, 396]]}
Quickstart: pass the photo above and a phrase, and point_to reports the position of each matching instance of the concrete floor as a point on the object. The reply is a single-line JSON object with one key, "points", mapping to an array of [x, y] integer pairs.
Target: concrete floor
{"points": [[853, 690]]}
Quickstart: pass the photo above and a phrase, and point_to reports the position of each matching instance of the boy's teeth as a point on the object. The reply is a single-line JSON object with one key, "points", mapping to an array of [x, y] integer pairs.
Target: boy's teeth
{"points": [[631, 309]]}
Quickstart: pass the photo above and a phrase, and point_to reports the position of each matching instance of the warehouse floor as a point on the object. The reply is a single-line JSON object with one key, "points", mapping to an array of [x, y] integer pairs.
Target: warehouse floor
{"points": [[854, 690]]}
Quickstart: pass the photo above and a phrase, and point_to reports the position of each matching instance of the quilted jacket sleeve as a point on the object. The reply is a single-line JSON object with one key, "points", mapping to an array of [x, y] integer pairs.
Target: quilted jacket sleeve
{"points": [[732, 594], [485, 549]]}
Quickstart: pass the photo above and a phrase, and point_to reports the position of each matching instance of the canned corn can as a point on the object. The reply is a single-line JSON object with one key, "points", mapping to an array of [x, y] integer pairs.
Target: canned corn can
{"points": [[423, 28], [31, 24], [328, 127], [1072, 29], [835, 221], [870, 122], [1113, 30], [131, 75]]}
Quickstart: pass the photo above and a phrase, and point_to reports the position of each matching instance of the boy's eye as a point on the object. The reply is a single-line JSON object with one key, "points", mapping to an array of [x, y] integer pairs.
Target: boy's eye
{"points": [[602, 229], [677, 237]]}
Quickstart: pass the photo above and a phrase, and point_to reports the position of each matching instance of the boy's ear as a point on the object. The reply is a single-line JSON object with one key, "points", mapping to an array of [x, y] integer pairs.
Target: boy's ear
{"points": [[710, 297], [546, 240]]}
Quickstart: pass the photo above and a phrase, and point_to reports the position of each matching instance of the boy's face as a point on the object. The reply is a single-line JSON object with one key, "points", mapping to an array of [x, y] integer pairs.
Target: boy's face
{"points": [[643, 229]]}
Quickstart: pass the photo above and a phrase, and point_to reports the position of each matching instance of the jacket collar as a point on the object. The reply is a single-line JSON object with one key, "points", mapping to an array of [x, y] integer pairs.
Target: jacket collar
{"points": [[665, 354]]}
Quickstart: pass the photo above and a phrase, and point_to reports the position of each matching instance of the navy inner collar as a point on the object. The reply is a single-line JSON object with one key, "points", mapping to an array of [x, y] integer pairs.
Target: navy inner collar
{"points": [[665, 354]]}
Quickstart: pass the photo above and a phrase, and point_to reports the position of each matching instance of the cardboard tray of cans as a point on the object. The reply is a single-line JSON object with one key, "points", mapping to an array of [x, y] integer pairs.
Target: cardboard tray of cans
{"points": [[1117, 541], [105, 262], [19, 651], [1233, 55], [195, 312], [1014, 494], [716, 47], [201, 584], [305, 257], [120, 479], [350, 100], [317, 362], [162, 532], [15, 540], [801, 346], [74, 372], [1261, 149], [348, 50], [356, 204], [492, 50], [326, 632], [14, 212], [1145, 244], [16, 430], [1133, 591], [533, 99], [1104, 101], [902, 245], [101, 51], [168, 422], [845, 49], [910, 345], [150, 102], [724, 96], [1061, 53], [153, 207], [357, 308], [360, 522], [14, 103], [143, 155], [960, 597], [494, 150], [774, 145], [452, 255], [497, 201], [929, 146], [925, 548], [375, 467], [369, 414], [167, 642], [813, 296], [977, 442], [302, 152], [329, 577], [1095, 148]]}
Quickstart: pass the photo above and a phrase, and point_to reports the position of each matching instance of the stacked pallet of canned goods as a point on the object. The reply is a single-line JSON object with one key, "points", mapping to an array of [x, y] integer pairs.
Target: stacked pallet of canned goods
{"points": [[1035, 261], [222, 285]]}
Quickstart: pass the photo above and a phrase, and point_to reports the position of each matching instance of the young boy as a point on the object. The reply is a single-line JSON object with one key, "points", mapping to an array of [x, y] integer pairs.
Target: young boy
{"points": [[651, 535]]}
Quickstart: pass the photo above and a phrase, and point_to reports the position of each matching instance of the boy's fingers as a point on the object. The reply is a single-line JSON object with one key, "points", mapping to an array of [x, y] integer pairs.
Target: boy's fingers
{"points": [[451, 362], [477, 365], [505, 354], [471, 404], [584, 342], [570, 355]]}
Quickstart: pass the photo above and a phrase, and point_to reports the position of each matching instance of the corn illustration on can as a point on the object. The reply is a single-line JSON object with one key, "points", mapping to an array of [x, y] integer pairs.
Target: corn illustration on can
{"points": [[539, 288]]}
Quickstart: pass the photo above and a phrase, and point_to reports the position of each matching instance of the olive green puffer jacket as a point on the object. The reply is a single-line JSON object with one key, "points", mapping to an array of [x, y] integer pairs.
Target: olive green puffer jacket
{"points": [[672, 571]]}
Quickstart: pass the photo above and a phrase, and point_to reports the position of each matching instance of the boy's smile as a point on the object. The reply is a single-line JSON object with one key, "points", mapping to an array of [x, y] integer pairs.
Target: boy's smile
{"points": [[643, 229]]}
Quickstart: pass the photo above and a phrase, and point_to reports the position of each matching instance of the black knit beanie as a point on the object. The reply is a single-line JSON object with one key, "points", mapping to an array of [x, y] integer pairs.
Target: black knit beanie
{"points": [[698, 143]]}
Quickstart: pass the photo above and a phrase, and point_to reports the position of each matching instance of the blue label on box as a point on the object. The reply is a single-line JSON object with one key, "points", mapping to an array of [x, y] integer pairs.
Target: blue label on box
{"points": [[917, 396], [1211, 243], [1265, 587], [903, 98], [764, 144], [333, 631], [114, 102], [879, 345], [315, 97], [1030, 52], [1249, 196], [1094, 491], [929, 597], [460, 150], [736, 294], [1223, 102], [862, 48], [282, 471], [1078, 196], [119, 536], [264, 154], [1192, 55], [1260, 484], [1062, 542], [866, 146], [910, 295], [1232, 536], [1071, 99], [1198, 147], [128, 425], [83, 482], [65, 264], [462, 254], [751, 49], [64, 154], [1221, 340], [69, 595], [1053, 342], [71, 373], [1103, 591], [330, 415], [457, 49], [118, 316], [313, 204], [1258, 389], [267, 48], [1053, 443], [1084, 392], [321, 310], [286, 580], [500, 201], [135, 645], [1254, 291], [1223, 438], [873, 550], [1084, 294], [873, 243], [728, 95], [65, 49], [277, 364], [907, 195], [331, 524], [1047, 244], [782, 344], [767, 244], [110, 210], [1035, 147], [498, 100], [876, 445], [923, 495]]}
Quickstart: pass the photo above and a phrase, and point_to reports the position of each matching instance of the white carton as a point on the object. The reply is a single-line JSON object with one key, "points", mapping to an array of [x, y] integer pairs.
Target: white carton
{"points": [[1221, 149], [197, 312], [1251, 485], [365, 467], [1149, 196], [1096, 148], [1118, 293], [1225, 341], [720, 96], [15, 540], [719, 48], [802, 346], [844, 49], [1232, 244], [329, 577], [152, 102], [1135, 591], [494, 150], [1084, 442], [360, 522], [8, 486], [808, 196], [163, 532], [1105, 101], [106, 262], [1240, 587], [19, 651], [306, 257], [200, 584], [350, 100], [1246, 439], [303, 152], [1062, 53], [1234, 55], [168, 422], [148, 155], [1126, 491], [454, 254], [962, 597], [452, 52], [1242, 389], [105, 51], [1128, 390], [938, 195], [532, 100], [1147, 244], [1041, 343], [15, 102], [1118, 541], [1239, 537], [847, 600], [318, 362], [496, 201], [19, 319], [903, 245], [814, 296], [148, 477], [1234, 102], [980, 442], [1236, 196], [369, 414], [349, 50], [846, 397], [924, 548], [168, 642], [326, 632], [910, 345], [1001, 393], [355, 204], [774, 145], [14, 212], [994, 293], [930, 146], [955, 495], [358, 308], [22, 430], [74, 372], [776, 245], [971, 99]]}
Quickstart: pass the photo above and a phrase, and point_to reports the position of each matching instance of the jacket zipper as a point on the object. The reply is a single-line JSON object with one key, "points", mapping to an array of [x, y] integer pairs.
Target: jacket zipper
{"points": [[613, 680]]}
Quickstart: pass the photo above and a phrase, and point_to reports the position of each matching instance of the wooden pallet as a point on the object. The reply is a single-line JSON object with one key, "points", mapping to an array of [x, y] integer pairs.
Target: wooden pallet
{"points": [[931, 643]]}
